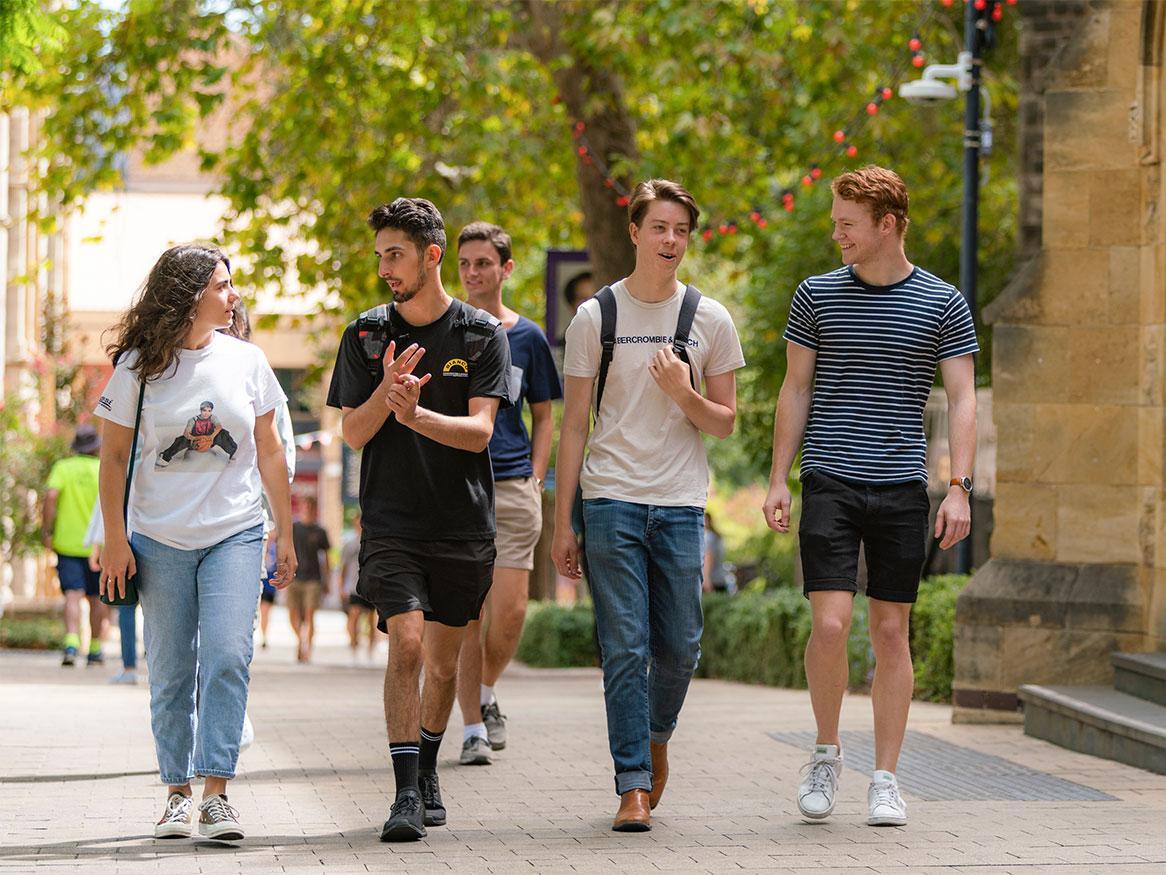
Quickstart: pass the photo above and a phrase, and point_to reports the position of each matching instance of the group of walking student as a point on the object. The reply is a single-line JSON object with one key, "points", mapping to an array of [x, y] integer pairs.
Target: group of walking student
{"points": [[431, 390]]}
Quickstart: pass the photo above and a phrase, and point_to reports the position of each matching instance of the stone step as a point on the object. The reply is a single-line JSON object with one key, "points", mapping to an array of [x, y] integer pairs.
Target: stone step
{"points": [[1100, 721], [1141, 674]]}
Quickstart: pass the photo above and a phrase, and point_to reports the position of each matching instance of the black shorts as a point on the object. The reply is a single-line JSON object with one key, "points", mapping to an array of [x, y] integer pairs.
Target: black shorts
{"points": [[446, 580], [890, 521]]}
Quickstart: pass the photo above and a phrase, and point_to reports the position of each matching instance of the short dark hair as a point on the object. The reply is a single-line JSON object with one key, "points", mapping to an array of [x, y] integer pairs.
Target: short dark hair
{"points": [[573, 285], [416, 217], [661, 190], [208, 404], [492, 234]]}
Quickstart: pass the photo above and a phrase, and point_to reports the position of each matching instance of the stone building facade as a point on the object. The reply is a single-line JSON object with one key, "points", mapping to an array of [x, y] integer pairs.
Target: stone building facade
{"points": [[1078, 554]]}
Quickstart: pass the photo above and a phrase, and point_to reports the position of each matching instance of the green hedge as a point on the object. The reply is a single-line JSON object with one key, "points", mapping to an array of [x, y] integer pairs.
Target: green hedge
{"points": [[759, 636], [31, 633]]}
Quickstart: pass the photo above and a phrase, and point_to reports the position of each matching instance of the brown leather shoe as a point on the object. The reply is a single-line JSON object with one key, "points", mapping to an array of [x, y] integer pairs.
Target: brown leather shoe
{"points": [[659, 772], [634, 814]]}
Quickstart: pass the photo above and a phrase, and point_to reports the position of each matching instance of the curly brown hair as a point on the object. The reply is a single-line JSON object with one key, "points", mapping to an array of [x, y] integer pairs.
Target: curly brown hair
{"points": [[158, 321], [878, 188]]}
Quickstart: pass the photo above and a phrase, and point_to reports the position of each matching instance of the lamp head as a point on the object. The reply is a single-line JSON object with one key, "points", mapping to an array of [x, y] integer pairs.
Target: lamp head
{"points": [[927, 91]]}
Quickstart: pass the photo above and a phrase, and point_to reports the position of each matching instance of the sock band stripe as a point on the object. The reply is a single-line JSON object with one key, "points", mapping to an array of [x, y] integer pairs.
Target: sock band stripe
{"points": [[431, 736]]}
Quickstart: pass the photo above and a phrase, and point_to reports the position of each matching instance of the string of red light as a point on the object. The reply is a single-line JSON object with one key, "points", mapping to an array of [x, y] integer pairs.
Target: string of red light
{"points": [[843, 136]]}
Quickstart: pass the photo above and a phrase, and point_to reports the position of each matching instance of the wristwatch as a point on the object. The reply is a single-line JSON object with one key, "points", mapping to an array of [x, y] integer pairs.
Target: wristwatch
{"points": [[538, 482], [964, 483]]}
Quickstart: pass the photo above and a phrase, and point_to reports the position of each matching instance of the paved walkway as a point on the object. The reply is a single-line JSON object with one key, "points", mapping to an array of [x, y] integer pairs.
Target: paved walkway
{"points": [[78, 791]]}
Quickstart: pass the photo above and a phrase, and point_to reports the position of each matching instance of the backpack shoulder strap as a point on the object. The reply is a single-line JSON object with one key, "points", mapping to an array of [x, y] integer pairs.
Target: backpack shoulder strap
{"points": [[479, 327], [607, 312], [373, 330], [684, 328]]}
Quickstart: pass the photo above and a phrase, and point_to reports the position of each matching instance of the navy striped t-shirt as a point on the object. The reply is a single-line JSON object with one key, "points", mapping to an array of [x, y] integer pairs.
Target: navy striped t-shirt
{"points": [[878, 347]]}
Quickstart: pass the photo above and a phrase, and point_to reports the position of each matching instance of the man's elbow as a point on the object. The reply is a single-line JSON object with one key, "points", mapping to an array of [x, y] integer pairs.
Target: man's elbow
{"points": [[350, 437], [724, 426]]}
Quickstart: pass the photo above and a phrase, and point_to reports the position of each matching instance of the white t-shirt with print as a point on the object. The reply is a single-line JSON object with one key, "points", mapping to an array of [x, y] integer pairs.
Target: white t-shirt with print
{"points": [[199, 498], [643, 449]]}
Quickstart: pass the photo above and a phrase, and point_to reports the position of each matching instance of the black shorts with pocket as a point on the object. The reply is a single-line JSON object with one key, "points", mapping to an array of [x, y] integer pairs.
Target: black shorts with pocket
{"points": [[446, 580], [890, 521]]}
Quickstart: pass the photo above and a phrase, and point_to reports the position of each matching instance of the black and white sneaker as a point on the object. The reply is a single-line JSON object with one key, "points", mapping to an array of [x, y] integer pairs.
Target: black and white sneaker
{"points": [[218, 820], [495, 722], [431, 798], [406, 821], [175, 821]]}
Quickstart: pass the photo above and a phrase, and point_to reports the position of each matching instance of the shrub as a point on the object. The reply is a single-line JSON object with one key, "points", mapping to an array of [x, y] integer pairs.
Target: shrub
{"points": [[932, 622], [31, 633], [558, 636], [759, 637]]}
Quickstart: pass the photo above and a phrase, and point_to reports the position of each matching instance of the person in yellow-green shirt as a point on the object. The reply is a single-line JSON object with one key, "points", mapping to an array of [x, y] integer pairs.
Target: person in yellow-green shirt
{"points": [[68, 504]]}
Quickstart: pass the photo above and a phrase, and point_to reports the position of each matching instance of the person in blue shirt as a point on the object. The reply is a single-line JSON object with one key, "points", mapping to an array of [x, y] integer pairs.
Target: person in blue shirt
{"points": [[519, 461]]}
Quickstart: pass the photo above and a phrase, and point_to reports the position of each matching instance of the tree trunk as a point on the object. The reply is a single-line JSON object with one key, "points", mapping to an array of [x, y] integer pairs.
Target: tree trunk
{"points": [[595, 97]]}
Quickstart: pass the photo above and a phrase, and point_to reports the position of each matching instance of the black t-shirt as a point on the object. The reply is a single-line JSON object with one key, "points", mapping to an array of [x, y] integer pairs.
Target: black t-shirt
{"points": [[411, 486], [309, 539]]}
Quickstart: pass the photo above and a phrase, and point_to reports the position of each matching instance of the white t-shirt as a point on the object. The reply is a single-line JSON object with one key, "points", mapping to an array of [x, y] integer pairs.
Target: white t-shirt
{"points": [[643, 449], [196, 499]]}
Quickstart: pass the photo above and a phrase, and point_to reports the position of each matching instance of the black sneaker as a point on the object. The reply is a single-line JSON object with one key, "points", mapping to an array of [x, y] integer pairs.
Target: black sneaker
{"points": [[431, 797], [495, 722], [96, 658], [406, 821]]}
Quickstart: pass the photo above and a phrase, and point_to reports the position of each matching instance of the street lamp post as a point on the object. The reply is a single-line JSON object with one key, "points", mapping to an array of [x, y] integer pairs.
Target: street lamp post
{"points": [[930, 89]]}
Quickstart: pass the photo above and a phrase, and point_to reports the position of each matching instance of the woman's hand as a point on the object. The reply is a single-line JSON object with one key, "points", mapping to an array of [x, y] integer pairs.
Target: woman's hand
{"points": [[117, 566], [285, 563]]}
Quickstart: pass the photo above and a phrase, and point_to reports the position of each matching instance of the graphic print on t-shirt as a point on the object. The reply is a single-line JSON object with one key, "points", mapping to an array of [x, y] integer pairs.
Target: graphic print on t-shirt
{"points": [[202, 444]]}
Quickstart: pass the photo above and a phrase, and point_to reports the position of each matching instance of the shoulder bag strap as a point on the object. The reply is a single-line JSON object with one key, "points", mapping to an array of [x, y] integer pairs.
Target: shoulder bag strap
{"points": [[125, 508]]}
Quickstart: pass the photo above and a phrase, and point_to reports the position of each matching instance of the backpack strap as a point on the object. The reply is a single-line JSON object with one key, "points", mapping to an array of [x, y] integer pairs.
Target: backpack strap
{"points": [[684, 326], [373, 330], [479, 327], [606, 298]]}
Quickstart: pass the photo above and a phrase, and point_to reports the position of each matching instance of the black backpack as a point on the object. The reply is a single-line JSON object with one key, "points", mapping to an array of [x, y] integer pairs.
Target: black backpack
{"points": [[376, 327], [606, 298]]}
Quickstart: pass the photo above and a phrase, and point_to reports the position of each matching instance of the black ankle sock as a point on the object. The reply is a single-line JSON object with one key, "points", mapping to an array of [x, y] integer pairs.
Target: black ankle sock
{"points": [[404, 754], [430, 742]]}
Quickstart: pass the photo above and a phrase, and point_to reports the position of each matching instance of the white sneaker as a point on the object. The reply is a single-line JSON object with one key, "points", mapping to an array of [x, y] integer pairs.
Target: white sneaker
{"points": [[219, 820], [820, 782], [175, 822], [887, 807]]}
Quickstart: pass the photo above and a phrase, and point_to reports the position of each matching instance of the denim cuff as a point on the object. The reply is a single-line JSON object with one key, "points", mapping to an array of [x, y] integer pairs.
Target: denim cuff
{"points": [[638, 780], [214, 773], [662, 737], [180, 782]]}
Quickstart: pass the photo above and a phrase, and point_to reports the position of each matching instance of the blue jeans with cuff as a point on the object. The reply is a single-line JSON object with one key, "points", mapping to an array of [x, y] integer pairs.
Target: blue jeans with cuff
{"points": [[199, 608], [645, 574]]}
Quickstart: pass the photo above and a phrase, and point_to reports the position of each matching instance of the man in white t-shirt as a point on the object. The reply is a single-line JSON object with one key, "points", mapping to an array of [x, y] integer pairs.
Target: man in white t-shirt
{"points": [[645, 481]]}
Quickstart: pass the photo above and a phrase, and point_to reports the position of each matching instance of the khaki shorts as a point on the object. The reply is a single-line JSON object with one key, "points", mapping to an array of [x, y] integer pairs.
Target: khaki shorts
{"points": [[518, 514], [304, 595]]}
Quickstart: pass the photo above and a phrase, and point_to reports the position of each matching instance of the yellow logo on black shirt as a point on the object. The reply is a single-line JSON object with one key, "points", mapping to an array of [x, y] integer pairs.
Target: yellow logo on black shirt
{"points": [[455, 368]]}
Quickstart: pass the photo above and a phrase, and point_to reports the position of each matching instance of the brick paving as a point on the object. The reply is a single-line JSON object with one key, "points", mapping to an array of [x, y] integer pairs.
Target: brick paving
{"points": [[78, 788]]}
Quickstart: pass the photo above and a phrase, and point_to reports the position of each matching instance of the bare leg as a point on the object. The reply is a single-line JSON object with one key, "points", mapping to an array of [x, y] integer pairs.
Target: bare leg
{"points": [[353, 616], [402, 694], [506, 605], [264, 618], [309, 631], [97, 616], [296, 618], [827, 670], [470, 674], [73, 611], [212, 786], [894, 679], [441, 645]]}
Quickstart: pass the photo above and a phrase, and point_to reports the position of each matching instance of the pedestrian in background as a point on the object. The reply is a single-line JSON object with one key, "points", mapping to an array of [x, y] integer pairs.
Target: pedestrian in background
{"points": [[68, 503]]}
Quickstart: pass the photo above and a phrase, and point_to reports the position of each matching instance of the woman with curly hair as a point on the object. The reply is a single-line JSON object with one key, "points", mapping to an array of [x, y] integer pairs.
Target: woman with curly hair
{"points": [[197, 528]]}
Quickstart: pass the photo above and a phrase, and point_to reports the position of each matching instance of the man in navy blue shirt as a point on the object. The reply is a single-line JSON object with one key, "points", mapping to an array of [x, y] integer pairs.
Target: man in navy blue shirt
{"points": [[519, 461]]}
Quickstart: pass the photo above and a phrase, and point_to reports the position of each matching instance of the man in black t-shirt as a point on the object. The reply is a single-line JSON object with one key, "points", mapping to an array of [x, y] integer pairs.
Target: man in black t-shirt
{"points": [[422, 410]]}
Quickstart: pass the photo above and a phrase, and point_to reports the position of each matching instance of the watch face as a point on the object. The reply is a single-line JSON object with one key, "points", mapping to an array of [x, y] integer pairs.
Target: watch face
{"points": [[967, 484]]}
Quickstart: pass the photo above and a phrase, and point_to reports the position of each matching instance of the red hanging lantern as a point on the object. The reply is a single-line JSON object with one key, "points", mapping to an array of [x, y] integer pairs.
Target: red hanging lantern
{"points": [[852, 150], [917, 61], [609, 183], [872, 108], [707, 233], [815, 171], [839, 136], [887, 93], [915, 44], [762, 222], [622, 200]]}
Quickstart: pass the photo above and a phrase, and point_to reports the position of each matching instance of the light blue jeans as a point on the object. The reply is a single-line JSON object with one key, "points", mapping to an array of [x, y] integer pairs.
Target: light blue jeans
{"points": [[199, 608], [645, 566]]}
